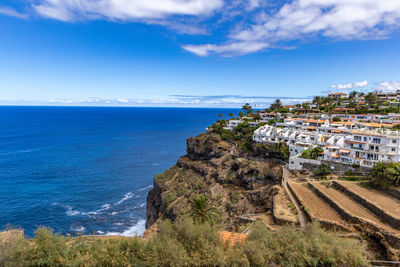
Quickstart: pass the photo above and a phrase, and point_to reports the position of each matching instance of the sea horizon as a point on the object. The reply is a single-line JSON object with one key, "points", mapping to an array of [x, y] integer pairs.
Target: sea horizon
{"points": [[87, 170]]}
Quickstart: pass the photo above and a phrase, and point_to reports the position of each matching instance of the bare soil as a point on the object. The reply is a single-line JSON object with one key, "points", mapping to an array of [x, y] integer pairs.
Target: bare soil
{"points": [[353, 207], [315, 206], [378, 198]]}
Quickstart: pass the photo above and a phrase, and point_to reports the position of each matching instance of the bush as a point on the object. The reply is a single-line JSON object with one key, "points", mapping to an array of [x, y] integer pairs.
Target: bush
{"points": [[348, 173], [322, 170], [336, 119], [185, 243], [313, 247]]}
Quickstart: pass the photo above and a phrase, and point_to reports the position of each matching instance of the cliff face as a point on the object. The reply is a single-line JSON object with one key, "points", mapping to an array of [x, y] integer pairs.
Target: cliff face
{"points": [[237, 185]]}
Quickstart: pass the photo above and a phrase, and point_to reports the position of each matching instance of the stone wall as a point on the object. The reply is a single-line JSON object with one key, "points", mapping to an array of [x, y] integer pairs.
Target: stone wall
{"points": [[394, 241], [386, 217], [338, 168]]}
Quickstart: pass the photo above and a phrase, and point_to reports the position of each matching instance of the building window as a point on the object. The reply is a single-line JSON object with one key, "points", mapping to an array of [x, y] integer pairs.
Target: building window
{"points": [[365, 139], [376, 140], [393, 149], [394, 141], [357, 138]]}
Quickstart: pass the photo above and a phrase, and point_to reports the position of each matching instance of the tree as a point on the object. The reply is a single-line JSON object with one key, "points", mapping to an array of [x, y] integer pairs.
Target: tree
{"points": [[241, 114], [353, 94], [317, 100], [370, 97], [230, 115], [247, 108], [220, 115], [203, 211], [276, 105], [378, 173], [394, 174], [316, 151], [336, 119]]}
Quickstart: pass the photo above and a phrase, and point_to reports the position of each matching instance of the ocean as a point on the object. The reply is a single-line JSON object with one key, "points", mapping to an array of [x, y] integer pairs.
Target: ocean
{"points": [[87, 170]]}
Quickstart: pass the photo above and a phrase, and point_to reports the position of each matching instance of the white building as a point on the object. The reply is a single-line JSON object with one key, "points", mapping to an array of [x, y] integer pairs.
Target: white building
{"points": [[358, 143]]}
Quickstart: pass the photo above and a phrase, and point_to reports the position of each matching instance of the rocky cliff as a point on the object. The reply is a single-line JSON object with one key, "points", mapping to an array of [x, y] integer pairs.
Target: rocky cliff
{"points": [[236, 184]]}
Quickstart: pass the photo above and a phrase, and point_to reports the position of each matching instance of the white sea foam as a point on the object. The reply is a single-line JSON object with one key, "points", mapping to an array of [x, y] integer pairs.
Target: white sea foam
{"points": [[78, 228], [126, 197], [72, 212], [145, 188], [137, 229]]}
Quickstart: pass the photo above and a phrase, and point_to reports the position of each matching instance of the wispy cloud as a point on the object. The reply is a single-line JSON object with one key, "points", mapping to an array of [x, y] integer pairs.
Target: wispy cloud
{"points": [[221, 101], [248, 26], [388, 86], [123, 10], [310, 19], [7, 11], [349, 86]]}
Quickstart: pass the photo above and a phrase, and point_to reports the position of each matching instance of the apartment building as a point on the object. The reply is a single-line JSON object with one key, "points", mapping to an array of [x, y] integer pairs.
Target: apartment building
{"points": [[350, 143]]}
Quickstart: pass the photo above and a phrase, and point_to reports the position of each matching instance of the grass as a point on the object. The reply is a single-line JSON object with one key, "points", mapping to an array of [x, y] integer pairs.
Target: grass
{"points": [[187, 244]]}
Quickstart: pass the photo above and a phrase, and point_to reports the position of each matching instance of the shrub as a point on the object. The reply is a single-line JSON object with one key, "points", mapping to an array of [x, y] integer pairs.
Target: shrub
{"points": [[185, 243], [322, 170], [313, 247], [336, 119]]}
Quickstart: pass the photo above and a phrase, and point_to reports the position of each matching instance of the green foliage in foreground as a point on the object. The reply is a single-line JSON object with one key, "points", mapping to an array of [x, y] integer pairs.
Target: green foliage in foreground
{"points": [[185, 243], [386, 174], [322, 170]]}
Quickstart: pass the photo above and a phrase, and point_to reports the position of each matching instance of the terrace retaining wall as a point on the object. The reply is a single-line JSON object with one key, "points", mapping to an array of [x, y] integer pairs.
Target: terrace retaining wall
{"points": [[386, 217], [394, 241]]}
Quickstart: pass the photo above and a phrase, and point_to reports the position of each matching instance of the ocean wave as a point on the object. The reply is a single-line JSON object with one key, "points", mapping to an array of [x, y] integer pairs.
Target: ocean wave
{"points": [[78, 228], [72, 212], [137, 229], [126, 197], [145, 188]]}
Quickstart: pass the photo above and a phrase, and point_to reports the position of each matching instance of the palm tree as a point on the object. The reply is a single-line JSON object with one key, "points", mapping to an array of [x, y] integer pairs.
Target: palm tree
{"points": [[394, 174], [220, 115], [370, 97], [378, 172], [317, 100], [246, 108], [241, 114], [276, 105], [353, 94], [203, 211], [230, 115]]}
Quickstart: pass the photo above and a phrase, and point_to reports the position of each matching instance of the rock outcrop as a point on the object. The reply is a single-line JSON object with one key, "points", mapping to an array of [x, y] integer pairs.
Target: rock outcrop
{"points": [[212, 166]]}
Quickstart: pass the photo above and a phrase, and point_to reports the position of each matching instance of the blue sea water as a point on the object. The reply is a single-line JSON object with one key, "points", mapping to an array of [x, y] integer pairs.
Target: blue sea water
{"points": [[88, 169]]}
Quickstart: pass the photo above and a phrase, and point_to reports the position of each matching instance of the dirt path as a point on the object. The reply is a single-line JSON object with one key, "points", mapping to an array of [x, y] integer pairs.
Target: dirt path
{"points": [[317, 208], [353, 207], [303, 221], [378, 198]]}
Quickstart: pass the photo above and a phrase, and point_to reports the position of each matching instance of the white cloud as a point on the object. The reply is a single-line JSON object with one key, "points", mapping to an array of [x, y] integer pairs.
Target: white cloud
{"points": [[388, 86], [12, 13], [307, 19], [230, 49], [349, 86], [125, 10]]}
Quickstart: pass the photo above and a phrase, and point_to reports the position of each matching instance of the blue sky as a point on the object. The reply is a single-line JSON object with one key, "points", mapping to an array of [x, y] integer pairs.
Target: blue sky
{"points": [[194, 52]]}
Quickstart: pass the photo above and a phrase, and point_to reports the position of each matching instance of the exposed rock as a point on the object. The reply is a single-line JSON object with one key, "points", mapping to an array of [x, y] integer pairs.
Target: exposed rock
{"points": [[236, 185]]}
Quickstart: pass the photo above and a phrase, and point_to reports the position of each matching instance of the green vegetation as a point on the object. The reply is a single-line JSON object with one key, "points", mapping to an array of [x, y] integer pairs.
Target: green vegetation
{"points": [[203, 210], [185, 243], [336, 119], [386, 174], [322, 170], [312, 154]]}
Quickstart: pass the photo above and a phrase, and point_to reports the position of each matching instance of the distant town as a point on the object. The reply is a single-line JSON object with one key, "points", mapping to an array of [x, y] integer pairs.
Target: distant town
{"points": [[343, 131]]}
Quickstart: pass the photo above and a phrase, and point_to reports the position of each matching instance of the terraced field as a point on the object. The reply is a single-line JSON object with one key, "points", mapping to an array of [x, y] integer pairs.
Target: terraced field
{"points": [[315, 206], [378, 198], [353, 207]]}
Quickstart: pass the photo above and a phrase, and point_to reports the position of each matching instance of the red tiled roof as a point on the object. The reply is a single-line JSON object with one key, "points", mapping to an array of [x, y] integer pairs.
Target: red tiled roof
{"points": [[232, 239]]}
